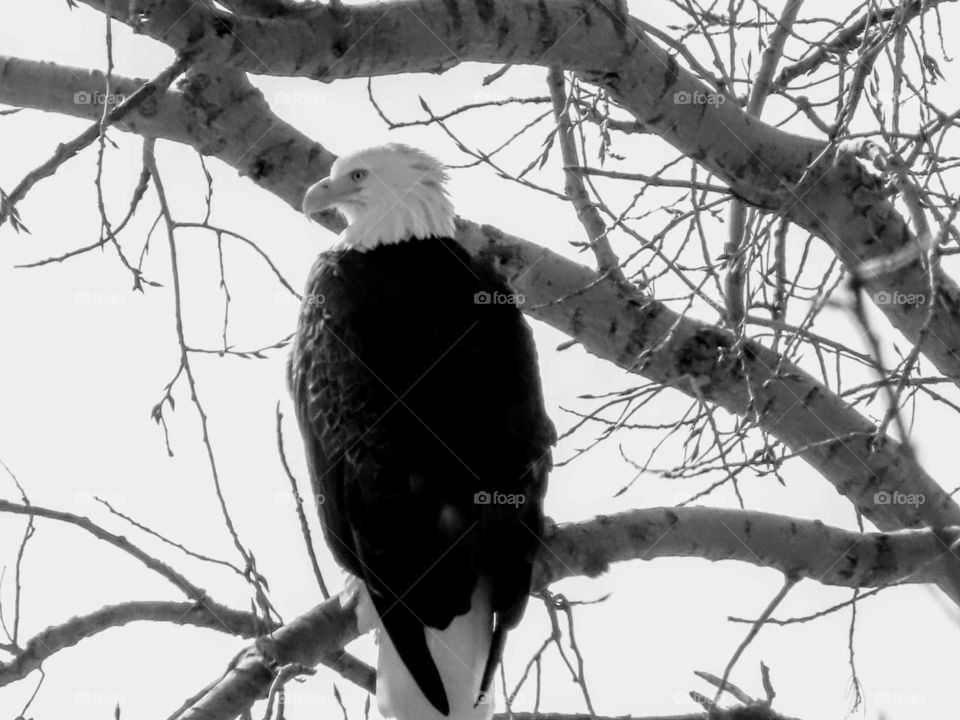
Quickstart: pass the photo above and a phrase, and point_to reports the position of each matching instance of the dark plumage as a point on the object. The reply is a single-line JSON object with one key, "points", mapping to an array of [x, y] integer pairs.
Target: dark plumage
{"points": [[417, 402]]}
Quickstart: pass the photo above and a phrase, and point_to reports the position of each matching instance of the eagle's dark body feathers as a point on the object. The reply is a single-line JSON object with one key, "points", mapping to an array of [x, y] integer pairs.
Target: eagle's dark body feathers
{"points": [[413, 397]]}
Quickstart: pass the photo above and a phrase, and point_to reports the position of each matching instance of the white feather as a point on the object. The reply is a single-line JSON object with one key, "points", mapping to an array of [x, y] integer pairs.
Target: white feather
{"points": [[460, 654], [403, 196]]}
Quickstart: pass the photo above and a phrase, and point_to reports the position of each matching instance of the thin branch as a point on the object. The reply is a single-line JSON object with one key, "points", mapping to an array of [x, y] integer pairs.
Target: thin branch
{"points": [[185, 367], [298, 501], [161, 568], [587, 214], [67, 150], [754, 631], [648, 179]]}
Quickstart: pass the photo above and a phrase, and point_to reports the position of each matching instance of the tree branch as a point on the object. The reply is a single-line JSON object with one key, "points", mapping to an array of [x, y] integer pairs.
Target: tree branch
{"points": [[840, 202], [607, 262], [207, 611], [67, 634], [646, 338], [67, 150], [798, 548], [179, 581]]}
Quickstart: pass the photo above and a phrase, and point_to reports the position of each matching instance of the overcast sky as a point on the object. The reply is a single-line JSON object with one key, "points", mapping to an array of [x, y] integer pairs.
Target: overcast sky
{"points": [[84, 359]]}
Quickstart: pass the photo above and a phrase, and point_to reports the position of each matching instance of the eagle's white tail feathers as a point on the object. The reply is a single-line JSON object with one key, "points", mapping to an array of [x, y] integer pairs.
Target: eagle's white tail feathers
{"points": [[460, 654]]}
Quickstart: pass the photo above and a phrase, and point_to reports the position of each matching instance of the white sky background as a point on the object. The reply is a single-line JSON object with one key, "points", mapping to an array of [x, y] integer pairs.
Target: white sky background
{"points": [[78, 382]]}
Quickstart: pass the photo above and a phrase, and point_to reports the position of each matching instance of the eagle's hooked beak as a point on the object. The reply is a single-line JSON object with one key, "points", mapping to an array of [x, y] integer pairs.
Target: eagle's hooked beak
{"points": [[326, 194]]}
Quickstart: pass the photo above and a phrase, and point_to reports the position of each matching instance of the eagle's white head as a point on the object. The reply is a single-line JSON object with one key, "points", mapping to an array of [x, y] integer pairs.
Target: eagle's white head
{"points": [[387, 194]]}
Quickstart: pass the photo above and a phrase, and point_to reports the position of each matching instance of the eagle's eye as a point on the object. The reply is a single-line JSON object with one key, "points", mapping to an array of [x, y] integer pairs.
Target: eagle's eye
{"points": [[358, 174]]}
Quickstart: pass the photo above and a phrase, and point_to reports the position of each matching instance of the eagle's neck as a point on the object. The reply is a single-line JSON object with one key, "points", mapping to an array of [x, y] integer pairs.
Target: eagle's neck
{"points": [[417, 213], [369, 233]]}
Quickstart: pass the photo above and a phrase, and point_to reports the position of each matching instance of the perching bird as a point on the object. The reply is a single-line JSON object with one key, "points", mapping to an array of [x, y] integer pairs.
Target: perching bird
{"points": [[417, 392]]}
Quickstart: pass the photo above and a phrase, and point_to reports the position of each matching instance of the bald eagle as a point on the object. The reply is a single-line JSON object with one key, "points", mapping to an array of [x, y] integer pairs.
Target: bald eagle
{"points": [[418, 396]]}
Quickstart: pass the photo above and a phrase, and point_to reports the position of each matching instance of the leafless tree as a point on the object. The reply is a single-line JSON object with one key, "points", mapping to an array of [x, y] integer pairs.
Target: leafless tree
{"points": [[708, 283]]}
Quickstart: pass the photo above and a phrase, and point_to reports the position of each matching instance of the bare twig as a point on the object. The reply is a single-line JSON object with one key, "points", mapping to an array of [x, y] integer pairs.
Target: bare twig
{"points": [[67, 150], [298, 501]]}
